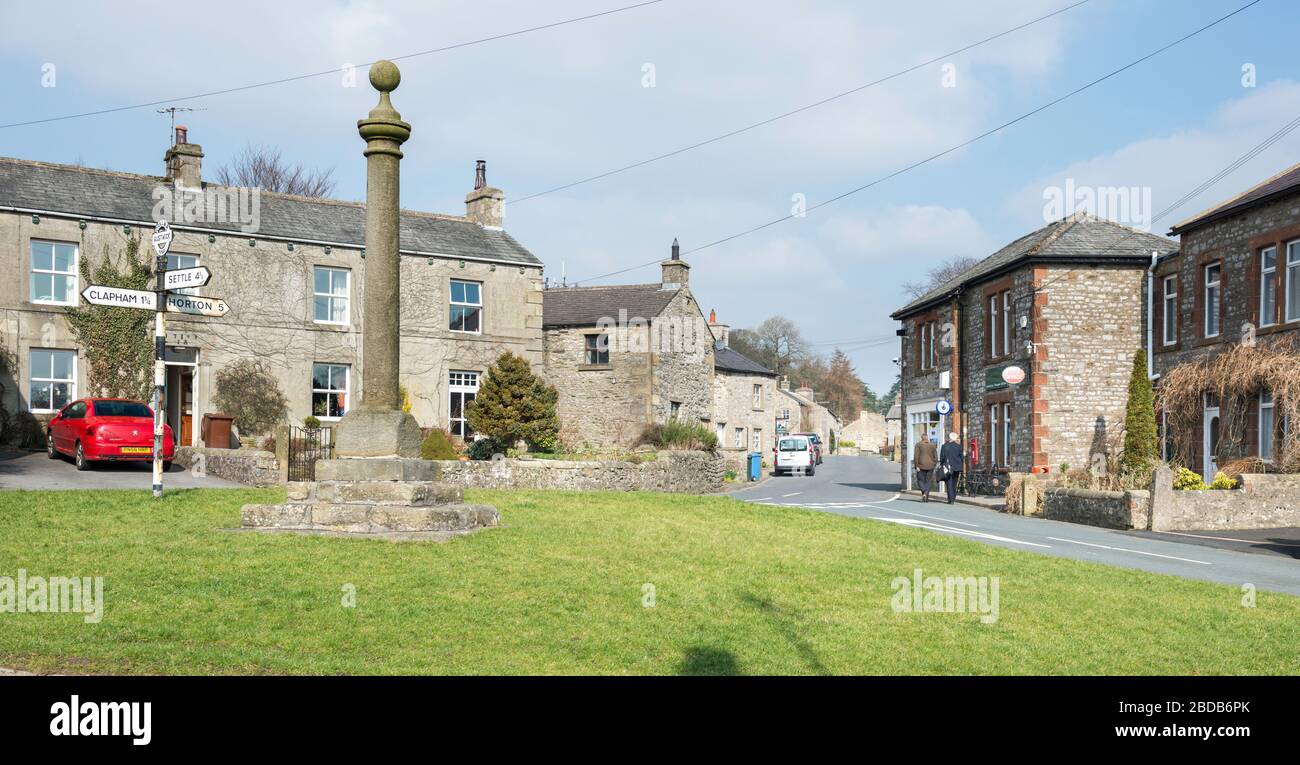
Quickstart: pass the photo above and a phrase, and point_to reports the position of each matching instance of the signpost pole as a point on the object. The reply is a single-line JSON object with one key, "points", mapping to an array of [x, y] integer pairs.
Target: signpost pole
{"points": [[161, 243]]}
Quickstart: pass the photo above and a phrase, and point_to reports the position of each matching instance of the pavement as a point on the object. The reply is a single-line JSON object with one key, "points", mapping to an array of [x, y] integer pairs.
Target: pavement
{"points": [[867, 487], [35, 471]]}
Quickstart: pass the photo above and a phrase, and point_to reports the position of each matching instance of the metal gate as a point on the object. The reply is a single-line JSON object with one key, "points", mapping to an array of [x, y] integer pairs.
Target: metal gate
{"points": [[306, 445]]}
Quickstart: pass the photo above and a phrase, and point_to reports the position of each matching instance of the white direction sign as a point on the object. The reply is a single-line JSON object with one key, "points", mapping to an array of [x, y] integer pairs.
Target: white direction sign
{"points": [[193, 304], [162, 238], [119, 296], [186, 277]]}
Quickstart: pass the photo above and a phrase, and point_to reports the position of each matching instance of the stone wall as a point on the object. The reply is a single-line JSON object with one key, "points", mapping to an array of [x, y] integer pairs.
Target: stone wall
{"points": [[1108, 509], [1263, 501], [677, 472], [868, 431], [246, 466]]}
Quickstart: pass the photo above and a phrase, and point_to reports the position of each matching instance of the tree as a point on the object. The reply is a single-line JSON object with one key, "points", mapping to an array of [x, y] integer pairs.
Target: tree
{"points": [[247, 391], [1141, 445], [940, 275], [514, 405], [843, 389], [886, 401], [118, 341], [262, 167], [782, 344]]}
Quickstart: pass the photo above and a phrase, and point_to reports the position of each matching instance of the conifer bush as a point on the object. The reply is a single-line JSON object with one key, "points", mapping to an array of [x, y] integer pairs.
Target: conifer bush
{"points": [[1141, 442], [514, 405]]}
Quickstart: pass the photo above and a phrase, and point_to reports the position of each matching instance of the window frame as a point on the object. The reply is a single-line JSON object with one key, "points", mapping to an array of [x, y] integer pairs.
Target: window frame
{"points": [[453, 304], [994, 426], [74, 292], [176, 258], [756, 397], [1267, 279], [346, 297], [1291, 284], [738, 438], [346, 390], [457, 385], [601, 357], [1169, 310], [1215, 309], [50, 381], [1267, 436], [1006, 322], [1007, 433]]}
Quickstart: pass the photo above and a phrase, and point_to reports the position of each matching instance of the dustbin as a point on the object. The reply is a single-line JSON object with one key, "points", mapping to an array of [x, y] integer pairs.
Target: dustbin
{"points": [[755, 466], [215, 430]]}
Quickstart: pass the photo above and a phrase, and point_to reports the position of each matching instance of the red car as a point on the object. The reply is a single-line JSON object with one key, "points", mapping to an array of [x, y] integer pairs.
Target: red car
{"points": [[113, 429]]}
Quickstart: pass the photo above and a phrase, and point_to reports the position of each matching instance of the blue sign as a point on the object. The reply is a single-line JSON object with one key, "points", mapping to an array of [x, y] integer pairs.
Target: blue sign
{"points": [[943, 407]]}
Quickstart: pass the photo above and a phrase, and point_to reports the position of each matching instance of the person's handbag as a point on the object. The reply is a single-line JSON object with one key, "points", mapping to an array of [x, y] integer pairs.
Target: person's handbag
{"points": [[943, 472]]}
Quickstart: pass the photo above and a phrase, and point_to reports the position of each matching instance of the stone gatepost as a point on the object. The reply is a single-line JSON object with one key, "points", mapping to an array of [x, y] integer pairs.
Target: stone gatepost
{"points": [[376, 485], [1162, 498]]}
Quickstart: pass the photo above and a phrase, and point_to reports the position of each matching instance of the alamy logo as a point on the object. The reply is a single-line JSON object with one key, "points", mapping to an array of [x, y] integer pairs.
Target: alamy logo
{"points": [[216, 204], [103, 718], [946, 595], [1129, 205], [53, 595]]}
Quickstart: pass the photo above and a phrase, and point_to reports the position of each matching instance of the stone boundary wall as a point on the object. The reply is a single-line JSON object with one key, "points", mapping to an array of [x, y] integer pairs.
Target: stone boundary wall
{"points": [[1108, 509], [246, 466], [1263, 501], [676, 472]]}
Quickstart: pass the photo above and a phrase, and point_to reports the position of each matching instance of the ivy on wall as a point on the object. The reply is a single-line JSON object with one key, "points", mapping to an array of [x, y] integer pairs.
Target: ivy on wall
{"points": [[117, 342]]}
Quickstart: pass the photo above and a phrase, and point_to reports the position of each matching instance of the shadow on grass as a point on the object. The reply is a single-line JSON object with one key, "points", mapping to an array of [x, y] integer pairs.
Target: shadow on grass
{"points": [[786, 623], [702, 660]]}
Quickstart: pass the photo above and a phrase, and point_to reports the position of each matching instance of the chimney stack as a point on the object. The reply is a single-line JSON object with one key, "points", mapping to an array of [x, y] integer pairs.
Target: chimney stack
{"points": [[676, 272], [185, 161], [485, 205], [721, 332]]}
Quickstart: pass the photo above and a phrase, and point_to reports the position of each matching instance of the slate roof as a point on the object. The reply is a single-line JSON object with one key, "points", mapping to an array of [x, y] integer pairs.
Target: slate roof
{"points": [[1262, 192], [1080, 238], [585, 306], [734, 361], [89, 193]]}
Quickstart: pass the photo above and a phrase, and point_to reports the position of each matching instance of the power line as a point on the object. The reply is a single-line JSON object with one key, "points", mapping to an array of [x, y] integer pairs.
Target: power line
{"points": [[295, 78], [793, 112], [951, 149]]}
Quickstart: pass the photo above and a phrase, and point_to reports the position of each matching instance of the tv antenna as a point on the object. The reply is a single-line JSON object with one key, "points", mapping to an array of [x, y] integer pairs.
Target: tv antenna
{"points": [[172, 111]]}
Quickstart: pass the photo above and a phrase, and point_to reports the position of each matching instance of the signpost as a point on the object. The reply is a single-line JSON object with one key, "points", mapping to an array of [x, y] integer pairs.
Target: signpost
{"points": [[161, 302]]}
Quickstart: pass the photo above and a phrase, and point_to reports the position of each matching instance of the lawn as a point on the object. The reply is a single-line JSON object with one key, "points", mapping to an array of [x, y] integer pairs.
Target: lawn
{"points": [[562, 588]]}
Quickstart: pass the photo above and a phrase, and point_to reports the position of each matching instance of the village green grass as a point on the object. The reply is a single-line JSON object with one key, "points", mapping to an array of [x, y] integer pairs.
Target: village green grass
{"points": [[561, 588]]}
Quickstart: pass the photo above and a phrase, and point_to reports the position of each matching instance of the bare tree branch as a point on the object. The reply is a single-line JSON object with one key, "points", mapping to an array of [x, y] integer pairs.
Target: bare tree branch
{"points": [[263, 167]]}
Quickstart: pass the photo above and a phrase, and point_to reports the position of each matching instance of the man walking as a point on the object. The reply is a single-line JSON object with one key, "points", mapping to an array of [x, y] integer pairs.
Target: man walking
{"points": [[952, 459], [924, 459]]}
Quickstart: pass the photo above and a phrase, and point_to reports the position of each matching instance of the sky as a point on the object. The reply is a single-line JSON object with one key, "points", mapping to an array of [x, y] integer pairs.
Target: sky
{"points": [[561, 104]]}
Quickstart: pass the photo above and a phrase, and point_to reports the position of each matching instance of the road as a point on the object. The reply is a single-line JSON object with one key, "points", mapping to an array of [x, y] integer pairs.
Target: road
{"points": [[35, 471], [867, 487]]}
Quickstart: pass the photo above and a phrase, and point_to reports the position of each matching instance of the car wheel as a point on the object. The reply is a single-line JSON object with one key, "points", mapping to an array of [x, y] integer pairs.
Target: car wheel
{"points": [[812, 470], [80, 458], [167, 467], [50, 451]]}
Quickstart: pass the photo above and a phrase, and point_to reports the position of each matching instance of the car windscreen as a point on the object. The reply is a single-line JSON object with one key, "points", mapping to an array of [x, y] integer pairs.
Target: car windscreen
{"points": [[793, 445], [121, 409]]}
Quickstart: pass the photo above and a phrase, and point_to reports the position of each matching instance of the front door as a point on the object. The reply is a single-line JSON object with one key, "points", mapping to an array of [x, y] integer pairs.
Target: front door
{"points": [[1210, 445], [187, 408]]}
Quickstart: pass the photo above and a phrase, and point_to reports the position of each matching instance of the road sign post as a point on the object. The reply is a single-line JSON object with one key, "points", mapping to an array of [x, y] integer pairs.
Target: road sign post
{"points": [[162, 241]]}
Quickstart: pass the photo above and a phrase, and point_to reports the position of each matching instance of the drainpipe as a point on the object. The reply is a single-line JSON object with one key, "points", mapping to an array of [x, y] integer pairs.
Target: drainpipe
{"points": [[1151, 316]]}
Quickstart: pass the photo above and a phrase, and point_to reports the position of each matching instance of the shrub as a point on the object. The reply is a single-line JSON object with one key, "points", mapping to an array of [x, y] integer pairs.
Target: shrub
{"points": [[310, 421], [1222, 481], [437, 446], [247, 391], [1141, 443], [847, 444], [730, 475], [484, 449], [1188, 480], [680, 436], [513, 405]]}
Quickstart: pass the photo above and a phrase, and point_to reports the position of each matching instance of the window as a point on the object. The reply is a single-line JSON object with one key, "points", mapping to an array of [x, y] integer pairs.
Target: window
{"points": [[994, 426], [1267, 286], [330, 290], [1169, 317], [596, 349], [463, 387], [177, 261], [739, 443], [1006, 434], [927, 350], [1211, 305], [722, 433], [1266, 426], [756, 440], [674, 409], [999, 324], [53, 380], [329, 390], [1293, 281], [1006, 322], [54, 273], [466, 306], [758, 396]]}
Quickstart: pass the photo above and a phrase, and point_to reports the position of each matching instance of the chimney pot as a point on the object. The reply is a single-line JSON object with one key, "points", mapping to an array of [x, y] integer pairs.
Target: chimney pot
{"points": [[485, 205], [182, 134], [480, 174], [675, 271], [677, 250]]}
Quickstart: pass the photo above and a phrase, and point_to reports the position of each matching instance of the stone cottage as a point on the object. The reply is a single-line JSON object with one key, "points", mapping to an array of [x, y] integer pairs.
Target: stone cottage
{"points": [[1235, 280], [745, 400], [292, 270], [799, 412], [1028, 353], [867, 431], [625, 356]]}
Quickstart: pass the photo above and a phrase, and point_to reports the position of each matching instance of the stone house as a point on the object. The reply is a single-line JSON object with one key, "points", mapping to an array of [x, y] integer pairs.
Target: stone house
{"points": [[1235, 279], [292, 270], [1028, 353], [745, 400], [867, 431], [799, 412], [624, 356]]}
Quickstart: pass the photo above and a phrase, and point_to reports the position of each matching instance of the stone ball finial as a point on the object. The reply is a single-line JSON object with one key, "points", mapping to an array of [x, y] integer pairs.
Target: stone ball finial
{"points": [[384, 76]]}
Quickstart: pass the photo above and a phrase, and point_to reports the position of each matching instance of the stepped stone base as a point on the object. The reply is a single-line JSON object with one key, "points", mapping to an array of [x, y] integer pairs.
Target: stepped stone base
{"points": [[384, 498]]}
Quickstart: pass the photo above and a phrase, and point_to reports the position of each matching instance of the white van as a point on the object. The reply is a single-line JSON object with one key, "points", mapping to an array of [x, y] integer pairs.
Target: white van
{"points": [[794, 454]]}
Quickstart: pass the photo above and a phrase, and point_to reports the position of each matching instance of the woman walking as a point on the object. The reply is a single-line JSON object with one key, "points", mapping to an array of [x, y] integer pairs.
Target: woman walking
{"points": [[925, 458]]}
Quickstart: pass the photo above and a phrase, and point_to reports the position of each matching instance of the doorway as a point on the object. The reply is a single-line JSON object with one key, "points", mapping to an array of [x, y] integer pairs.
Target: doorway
{"points": [[178, 394], [1210, 439]]}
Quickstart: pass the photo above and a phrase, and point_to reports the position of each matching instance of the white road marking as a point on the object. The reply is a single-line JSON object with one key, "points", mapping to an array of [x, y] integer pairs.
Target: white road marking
{"points": [[965, 532], [931, 517], [1139, 552], [792, 494], [1230, 539]]}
